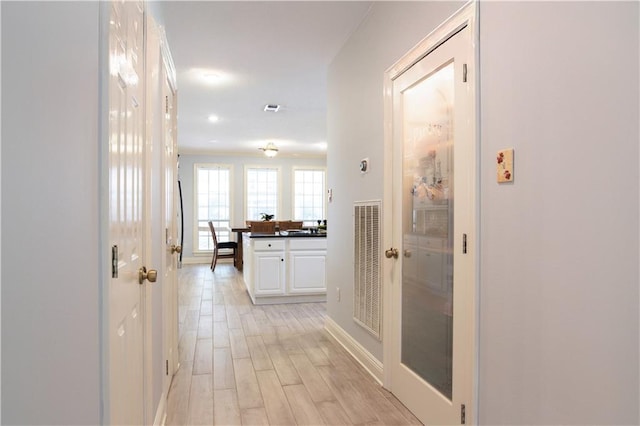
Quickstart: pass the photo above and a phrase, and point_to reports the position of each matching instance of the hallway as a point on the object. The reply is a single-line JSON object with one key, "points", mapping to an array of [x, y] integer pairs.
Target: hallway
{"points": [[274, 364]]}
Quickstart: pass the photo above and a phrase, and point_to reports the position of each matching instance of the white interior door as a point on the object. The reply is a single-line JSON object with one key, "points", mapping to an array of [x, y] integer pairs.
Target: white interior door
{"points": [[169, 217], [127, 182], [432, 338]]}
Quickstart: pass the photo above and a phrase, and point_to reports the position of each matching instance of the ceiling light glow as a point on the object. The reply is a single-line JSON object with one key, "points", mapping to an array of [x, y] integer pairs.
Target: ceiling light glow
{"points": [[209, 77], [214, 118]]}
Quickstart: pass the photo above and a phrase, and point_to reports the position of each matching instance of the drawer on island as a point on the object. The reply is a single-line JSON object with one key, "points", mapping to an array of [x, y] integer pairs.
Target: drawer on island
{"points": [[268, 244], [308, 244]]}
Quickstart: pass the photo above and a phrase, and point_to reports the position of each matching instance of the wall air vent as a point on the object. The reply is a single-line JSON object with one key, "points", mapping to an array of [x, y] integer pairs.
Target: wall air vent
{"points": [[367, 282], [272, 108]]}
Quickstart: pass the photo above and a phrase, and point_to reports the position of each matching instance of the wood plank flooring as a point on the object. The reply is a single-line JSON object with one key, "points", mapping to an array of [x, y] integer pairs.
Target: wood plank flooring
{"points": [[242, 364]]}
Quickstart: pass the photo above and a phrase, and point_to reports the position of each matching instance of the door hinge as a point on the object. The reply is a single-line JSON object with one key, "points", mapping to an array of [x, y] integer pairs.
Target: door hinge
{"points": [[464, 73], [166, 104], [114, 262], [167, 366], [464, 243], [463, 414]]}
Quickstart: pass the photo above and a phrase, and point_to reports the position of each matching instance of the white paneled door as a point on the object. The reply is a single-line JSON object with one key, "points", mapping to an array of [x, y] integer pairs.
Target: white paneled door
{"points": [[127, 184], [169, 219], [431, 344]]}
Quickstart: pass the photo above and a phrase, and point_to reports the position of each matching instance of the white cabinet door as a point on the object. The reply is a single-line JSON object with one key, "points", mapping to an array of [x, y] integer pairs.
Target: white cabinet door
{"points": [[307, 269], [269, 271]]}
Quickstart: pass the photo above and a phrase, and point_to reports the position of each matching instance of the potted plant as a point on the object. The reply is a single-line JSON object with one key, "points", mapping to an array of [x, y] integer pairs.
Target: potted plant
{"points": [[266, 216]]}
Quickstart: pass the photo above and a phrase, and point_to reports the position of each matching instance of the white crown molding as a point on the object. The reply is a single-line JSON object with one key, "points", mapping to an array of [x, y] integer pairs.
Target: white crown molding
{"points": [[204, 152]]}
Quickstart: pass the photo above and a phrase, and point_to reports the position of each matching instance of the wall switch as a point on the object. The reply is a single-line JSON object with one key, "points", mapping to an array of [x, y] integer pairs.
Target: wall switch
{"points": [[364, 165], [338, 293]]}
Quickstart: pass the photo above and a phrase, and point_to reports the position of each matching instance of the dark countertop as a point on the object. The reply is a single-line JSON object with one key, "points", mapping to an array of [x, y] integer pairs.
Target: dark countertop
{"points": [[286, 234]]}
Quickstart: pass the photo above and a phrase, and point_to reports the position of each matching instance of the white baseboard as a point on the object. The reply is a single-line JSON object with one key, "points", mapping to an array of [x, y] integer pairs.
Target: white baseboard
{"points": [[357, 351], [161, 412], [201, 260], [195, 260]]}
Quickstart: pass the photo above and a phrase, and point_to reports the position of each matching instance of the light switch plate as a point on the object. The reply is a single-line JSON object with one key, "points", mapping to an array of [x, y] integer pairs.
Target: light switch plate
{"points": [[504, 165], [364, 165]]}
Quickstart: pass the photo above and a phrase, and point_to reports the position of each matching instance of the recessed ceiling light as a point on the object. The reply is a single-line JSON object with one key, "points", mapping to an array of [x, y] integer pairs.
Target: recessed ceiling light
{"points": [[209, 76], [213, 78], [214, 118], [272, 107]]}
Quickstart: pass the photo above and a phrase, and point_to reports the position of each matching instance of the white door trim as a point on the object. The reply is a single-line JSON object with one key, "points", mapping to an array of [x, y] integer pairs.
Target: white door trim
{"points": [[103, 201], [465, 16]]}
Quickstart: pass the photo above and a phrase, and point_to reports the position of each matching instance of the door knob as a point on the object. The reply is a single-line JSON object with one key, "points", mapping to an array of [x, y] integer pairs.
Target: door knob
{"points": [[392, 252], [407, 253], [143, 274], [175, 249]]}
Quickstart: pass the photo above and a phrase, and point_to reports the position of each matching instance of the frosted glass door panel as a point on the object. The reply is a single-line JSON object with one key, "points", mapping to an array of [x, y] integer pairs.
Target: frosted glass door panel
{"points": [[427, 220]]}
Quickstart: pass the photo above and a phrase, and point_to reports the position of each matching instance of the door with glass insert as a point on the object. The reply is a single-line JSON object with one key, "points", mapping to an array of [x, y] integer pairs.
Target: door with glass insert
{"points": [[433, 288]]}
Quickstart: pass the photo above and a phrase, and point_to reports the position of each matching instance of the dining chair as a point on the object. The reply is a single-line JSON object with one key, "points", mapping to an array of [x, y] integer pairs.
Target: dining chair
{"points": [[285, 225], [230, 245], [263, 227]]}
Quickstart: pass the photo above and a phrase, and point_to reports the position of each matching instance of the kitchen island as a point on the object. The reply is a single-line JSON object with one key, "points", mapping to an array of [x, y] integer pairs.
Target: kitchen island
{"points": [[287, 267]]}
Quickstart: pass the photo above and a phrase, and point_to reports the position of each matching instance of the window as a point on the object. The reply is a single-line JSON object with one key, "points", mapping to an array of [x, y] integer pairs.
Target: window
{"points": [[213, 201], [309, 195], [262, 194]]}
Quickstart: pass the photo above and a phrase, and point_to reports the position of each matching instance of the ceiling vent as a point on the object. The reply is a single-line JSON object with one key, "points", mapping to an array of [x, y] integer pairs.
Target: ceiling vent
{"points": [[272, 108]]}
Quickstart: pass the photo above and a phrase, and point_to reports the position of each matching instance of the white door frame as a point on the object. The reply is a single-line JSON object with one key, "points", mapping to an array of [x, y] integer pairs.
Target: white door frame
{"points": [[465, 16], [154, 410], [159, 68], [170, 297], [103, 200]]}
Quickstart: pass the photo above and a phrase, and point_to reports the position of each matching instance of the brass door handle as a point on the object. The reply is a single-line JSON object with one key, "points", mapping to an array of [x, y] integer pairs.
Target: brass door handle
{"points": [[407, 253], [143, 274], [175, 249], [392, 252]]}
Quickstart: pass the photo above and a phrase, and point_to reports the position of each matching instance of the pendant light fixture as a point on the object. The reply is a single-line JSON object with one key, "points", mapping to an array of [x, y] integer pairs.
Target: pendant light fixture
{"points": [[270, 150]]}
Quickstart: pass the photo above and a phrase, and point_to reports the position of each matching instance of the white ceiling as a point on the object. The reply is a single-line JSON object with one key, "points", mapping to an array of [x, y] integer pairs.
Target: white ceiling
{"points": [[263, 53]]}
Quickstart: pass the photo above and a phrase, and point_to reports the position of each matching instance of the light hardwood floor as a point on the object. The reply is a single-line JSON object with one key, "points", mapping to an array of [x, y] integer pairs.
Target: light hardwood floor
{"points": [[265, 365]]}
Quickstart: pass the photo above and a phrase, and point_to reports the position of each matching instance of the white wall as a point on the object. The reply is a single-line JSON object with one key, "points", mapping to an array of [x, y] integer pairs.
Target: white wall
{"points": [[559, 255], [559, 251], [186, 173], [50, 265], [355, 130]]}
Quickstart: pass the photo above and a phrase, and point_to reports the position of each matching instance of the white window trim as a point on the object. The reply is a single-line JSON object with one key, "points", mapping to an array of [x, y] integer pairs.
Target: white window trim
{"points": [[262, 166], [195, 230], [293, 188]]}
